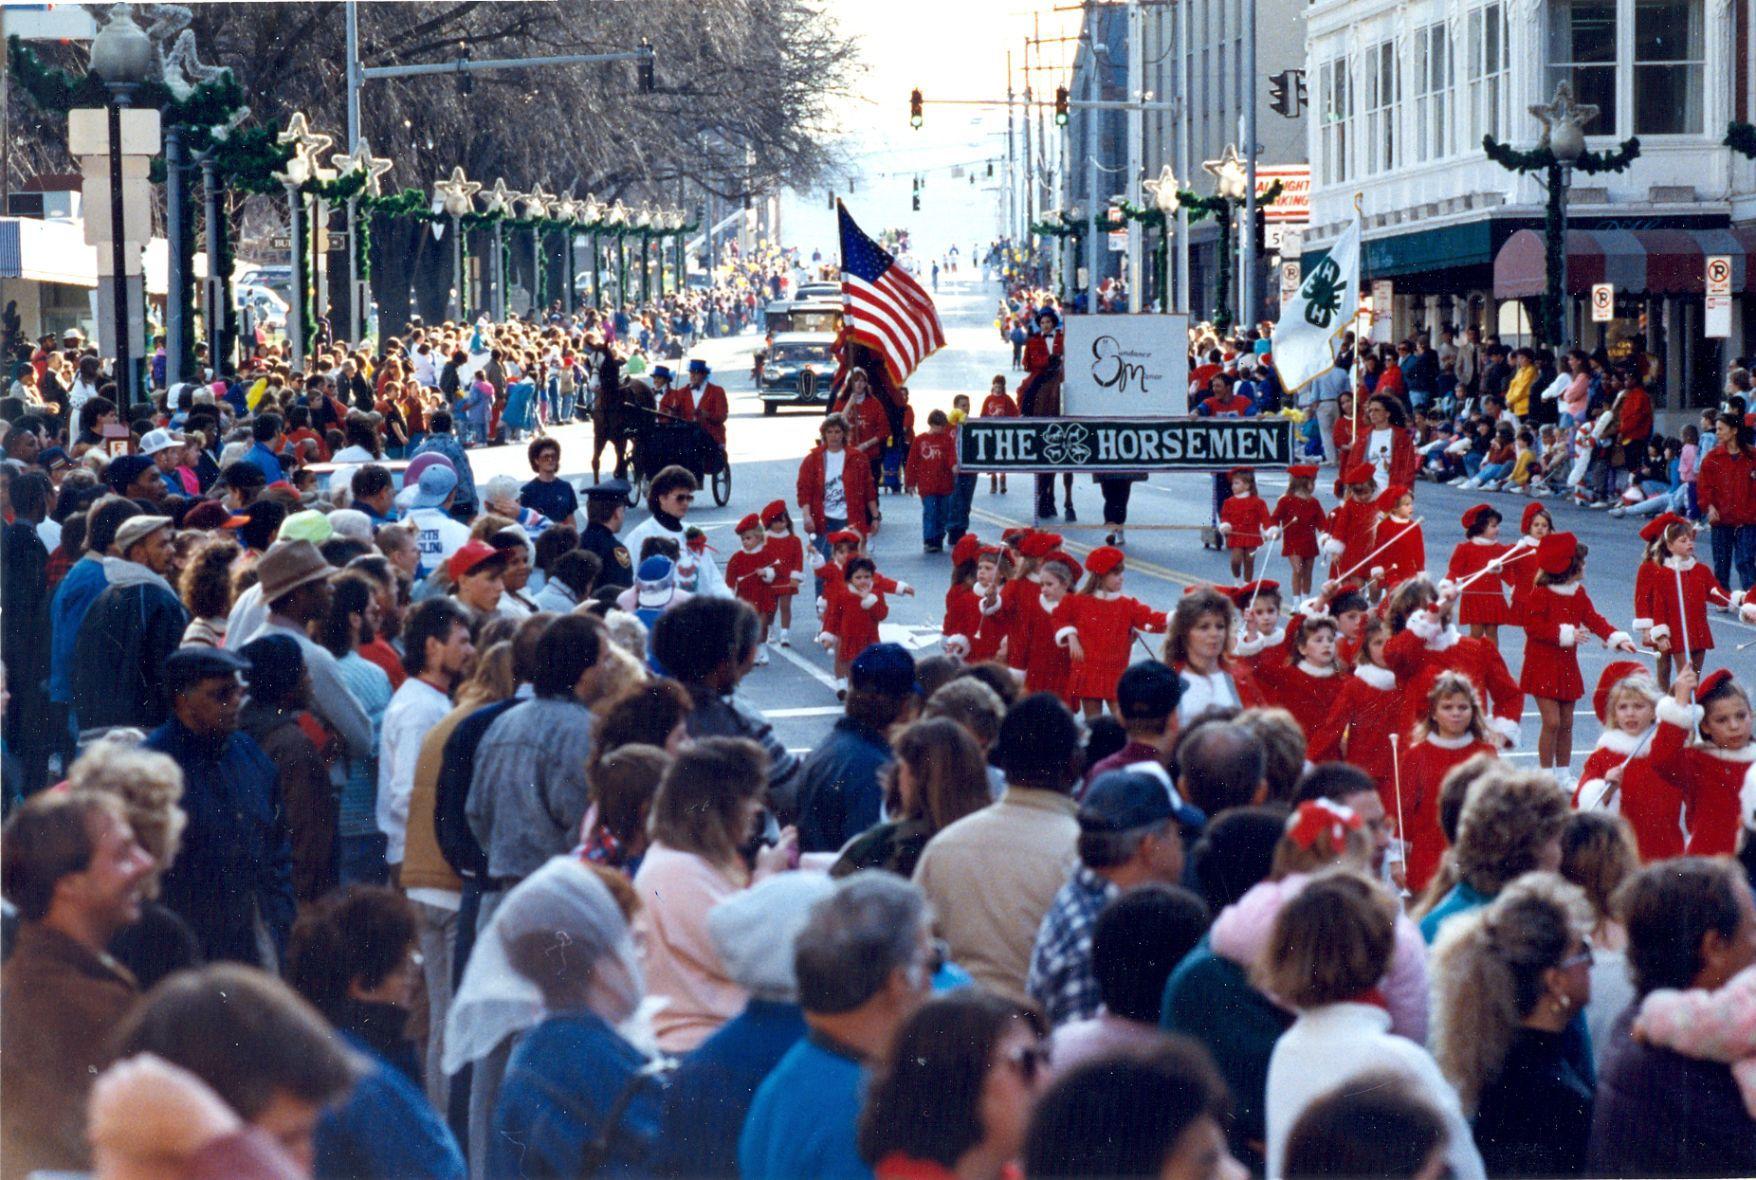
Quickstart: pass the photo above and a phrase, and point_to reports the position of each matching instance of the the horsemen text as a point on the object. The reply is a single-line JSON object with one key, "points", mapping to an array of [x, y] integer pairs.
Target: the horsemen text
{"points": [[1122, 444]]}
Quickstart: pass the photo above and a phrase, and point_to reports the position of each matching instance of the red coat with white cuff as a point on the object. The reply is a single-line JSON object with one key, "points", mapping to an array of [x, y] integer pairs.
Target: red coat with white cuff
{"points": [[1413, 798], [854, 621], [1242, 519], [1483, 603], [1358, 726], [1021, 596], [1710, 779], [1652, 805], [1700, 588], [1302, 689], [1299, 518], [973, 630], [1428, 647], [788, 552], [1555, 618], [1404, 553], [1105, 625], [1047, 665], [745, 572]]}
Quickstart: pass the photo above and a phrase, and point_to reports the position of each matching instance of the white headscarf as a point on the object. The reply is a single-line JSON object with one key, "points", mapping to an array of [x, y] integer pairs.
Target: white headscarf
{"points": [[563, 901]]}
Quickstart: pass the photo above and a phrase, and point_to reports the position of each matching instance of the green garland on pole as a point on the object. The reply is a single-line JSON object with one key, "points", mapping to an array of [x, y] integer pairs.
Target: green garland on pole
{"points": [[1541, 159]]}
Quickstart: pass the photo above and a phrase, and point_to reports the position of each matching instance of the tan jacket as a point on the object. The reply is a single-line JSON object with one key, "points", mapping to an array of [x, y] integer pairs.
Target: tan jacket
{"points": [[992, 876], [59, 1003], [423, 865]]}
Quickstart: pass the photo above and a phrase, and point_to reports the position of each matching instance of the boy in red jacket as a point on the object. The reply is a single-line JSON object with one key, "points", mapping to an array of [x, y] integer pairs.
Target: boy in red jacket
{"points": [[929, 473]]}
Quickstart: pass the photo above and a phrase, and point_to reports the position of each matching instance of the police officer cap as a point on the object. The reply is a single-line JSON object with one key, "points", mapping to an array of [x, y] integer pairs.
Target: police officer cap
{"points": [[610, 489]]}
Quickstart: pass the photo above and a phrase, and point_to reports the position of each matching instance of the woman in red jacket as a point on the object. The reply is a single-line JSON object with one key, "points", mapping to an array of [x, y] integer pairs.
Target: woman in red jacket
{"points": [[1384, 443], [835, 488]]}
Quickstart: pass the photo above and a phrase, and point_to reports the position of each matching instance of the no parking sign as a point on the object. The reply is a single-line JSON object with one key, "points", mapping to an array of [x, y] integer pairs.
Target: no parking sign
{"points": [[1603, 303], [1719, 295]]}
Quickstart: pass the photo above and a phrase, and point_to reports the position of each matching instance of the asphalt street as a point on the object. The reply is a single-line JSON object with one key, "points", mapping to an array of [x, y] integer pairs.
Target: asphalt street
{"points": [[795, 690]]}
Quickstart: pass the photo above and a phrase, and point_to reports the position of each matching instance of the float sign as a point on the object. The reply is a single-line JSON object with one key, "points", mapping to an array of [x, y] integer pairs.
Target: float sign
{"points": [[1123, 366], [1121, 445]]}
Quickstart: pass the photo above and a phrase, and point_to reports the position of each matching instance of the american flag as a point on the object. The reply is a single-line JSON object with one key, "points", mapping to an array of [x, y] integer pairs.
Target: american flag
{"points": [[886, 310]]}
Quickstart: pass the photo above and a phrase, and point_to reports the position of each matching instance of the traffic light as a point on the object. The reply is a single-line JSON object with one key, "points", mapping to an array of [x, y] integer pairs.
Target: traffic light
{"points": [[832, 201], [466, 82], [915, 118], [1299, 91], [917, 202], [647, 84], [1277, 94], [1061, 106]]}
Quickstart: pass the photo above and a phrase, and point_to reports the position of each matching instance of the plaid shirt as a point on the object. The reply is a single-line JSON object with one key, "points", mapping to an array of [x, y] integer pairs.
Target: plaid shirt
{"points": [[1060, 963]]}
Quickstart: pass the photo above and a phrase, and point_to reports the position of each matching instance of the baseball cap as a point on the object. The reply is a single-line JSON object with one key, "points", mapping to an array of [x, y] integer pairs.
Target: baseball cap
{"points": [[471, 558], [154, 441], [1148, 690], [435, 484], [656, 582], [885, 668], [1123, 800], [308, 525]]}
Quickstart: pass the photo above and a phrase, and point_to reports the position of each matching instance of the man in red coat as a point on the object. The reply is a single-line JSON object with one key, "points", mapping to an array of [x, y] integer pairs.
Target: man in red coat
{"points": [[700, 401], [835, 488]]}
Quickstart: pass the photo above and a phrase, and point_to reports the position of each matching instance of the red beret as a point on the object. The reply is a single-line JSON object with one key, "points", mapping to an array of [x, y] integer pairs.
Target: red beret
{"points": [[1391, 495], [776, 510], [1104, 559], [966, 549], [1303, 471], [1654, 528], [993, 553], [1069, 564], [1473, 515], [1613, 674], [1035, 544], [1360, 473], [1531, 512], [1235, 472], [1555, 552], [845, 537], [1243, 594], [750, 522], [1710, 684]]}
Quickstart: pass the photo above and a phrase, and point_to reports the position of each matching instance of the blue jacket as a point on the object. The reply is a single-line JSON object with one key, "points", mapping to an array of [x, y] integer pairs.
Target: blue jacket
{"points": [[562, 1080], [265, 461], [79, 588], [805, 1118], [839, 793], [385, 1129], [236, 860], [711, 1092]]}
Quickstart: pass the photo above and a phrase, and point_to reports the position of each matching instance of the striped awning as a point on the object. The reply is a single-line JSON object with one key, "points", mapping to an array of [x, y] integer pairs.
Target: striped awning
{"points": [[1642, 261]]}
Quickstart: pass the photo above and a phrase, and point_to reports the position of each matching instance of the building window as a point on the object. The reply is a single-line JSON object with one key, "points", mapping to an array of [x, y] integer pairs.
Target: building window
{"points": [[1485, 64], [1382, 101], [1582, 49], [1642, 62], [1669, 48], [1432, 93], [1336, 103]]}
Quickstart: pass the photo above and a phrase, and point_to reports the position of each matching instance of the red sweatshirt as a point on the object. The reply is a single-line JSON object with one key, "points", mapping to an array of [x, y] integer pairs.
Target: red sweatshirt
{"points": [[929, 470]]}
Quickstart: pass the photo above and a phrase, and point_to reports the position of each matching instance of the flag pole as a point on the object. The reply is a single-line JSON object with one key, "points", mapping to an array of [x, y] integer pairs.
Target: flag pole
{"points": [[1353, 377]]}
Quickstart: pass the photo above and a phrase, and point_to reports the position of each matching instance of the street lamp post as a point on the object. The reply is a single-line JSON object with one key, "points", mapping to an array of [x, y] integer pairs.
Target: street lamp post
{"points": [[1163, 192], [454, 196], [500, 199], [1563, 123], [215, 304], [358, 159], [1230, 184], [536, 206], [121, 54]]}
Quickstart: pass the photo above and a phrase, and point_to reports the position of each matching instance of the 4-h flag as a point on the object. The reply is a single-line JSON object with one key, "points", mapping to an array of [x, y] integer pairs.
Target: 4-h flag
{"points": [[1314, 319]]}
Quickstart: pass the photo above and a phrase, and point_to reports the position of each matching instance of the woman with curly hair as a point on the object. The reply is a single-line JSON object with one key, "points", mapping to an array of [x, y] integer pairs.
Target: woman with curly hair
{"points": [[150, 786], [1511, 825], [1507, 981], [206, 589]]}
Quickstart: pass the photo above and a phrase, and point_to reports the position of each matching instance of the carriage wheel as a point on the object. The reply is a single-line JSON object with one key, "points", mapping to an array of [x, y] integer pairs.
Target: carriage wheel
{"points": [[722, 484]]}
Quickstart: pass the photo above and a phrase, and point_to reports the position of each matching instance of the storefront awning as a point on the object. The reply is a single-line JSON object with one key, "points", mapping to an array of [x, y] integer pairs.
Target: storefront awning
{"points": [[1641, 262], [55, 252]]}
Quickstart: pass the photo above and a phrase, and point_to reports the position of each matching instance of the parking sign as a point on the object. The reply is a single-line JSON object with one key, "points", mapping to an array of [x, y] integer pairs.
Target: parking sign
{"points": [[1719, 295], [1603, 303]]}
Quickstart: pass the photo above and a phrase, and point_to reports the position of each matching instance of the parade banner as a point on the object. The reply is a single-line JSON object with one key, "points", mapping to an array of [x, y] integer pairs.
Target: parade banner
{"points": [[1125, 366], [1121, 445]]}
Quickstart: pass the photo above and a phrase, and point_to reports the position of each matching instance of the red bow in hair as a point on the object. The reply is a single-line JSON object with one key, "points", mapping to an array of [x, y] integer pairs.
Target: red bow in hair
{"points": [[1317, 816]]}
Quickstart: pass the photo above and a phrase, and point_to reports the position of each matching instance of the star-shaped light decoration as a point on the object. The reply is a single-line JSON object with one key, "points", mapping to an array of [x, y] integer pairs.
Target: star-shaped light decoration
{"points": [[297, 170], [618, 214], [361, 159], [499, 198], [565, 208], [1163, 191], [537, 202], [1229, 177], [303, 139], [457, 193], [1564, 122], [643, 217], [591, 210]]}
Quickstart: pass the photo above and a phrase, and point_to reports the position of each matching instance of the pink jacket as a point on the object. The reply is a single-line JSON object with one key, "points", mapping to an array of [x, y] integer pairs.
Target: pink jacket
{"points": [[1708, 1026], [1242, 930], [677, 889]]}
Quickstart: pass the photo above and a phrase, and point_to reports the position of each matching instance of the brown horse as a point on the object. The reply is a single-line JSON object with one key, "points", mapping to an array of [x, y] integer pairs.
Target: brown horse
{"points": [[1039, 396]]}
